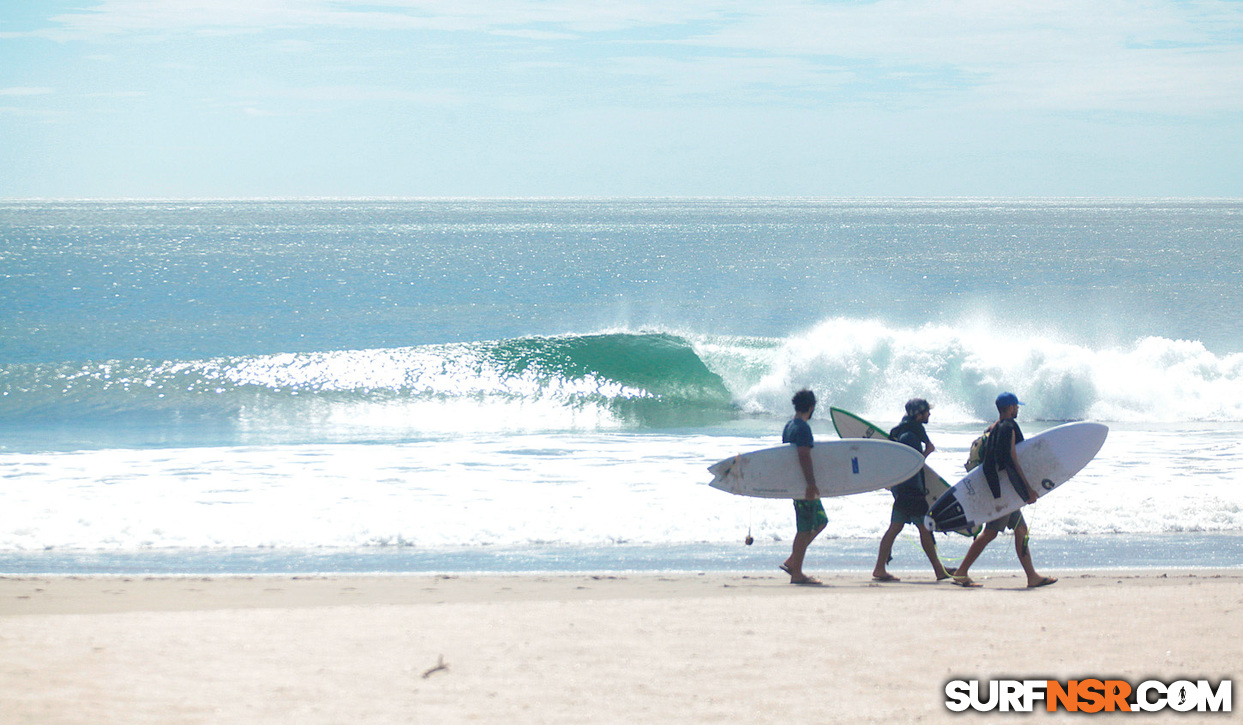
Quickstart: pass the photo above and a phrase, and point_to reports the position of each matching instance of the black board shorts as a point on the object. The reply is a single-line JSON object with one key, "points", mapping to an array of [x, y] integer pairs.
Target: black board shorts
{"points": [[1005, 522], [909, 510]]}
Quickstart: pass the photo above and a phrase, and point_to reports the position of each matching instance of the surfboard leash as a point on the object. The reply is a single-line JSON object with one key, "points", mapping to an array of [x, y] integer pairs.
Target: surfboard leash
{"points": [[1028, 536]]}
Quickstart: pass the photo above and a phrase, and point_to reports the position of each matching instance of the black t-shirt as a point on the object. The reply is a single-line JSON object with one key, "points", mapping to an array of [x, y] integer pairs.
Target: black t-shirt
{"points": [[1004, 435], [913, 434]]}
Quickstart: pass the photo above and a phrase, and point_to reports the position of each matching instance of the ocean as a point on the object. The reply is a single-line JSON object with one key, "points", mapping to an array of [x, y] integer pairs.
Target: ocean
{"points": [[475, 385]]}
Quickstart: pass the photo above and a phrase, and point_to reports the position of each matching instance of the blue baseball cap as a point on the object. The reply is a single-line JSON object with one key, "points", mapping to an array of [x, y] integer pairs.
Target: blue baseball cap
{"points": [[1005, 400]]}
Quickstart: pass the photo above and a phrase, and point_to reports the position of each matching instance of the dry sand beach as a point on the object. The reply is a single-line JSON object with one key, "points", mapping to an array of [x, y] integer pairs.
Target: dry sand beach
{"points": [[580, 649]]}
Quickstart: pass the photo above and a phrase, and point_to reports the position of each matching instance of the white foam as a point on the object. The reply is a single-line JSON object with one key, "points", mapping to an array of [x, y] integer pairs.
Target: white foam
{"points": [[872, 368], [570, 489]]}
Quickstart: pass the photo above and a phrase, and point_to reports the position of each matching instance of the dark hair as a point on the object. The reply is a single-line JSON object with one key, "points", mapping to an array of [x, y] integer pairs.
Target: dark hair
{"points": [[916, 406], [804, 400]]}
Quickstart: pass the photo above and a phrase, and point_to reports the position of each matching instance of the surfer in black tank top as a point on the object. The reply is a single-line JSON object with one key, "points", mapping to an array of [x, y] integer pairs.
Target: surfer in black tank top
{"points": [[999, 456], [1003, 436]]}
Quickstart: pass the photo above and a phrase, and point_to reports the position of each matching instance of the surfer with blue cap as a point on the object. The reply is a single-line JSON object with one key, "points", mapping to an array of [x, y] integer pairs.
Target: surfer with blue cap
{"points": [[810, 518], [1000, 455]]}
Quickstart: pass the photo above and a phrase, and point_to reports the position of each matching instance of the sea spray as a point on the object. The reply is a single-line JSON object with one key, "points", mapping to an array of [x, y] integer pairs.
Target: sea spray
{"points": [[873, 368]]}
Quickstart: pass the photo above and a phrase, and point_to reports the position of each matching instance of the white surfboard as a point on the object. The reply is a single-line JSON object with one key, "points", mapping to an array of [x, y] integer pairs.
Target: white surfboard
{"points": [[1048, 460], [849, 425], [841, 468]]}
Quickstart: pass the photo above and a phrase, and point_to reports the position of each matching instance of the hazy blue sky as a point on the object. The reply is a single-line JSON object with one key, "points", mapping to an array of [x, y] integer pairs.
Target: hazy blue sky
{"points": [[242, 98]]}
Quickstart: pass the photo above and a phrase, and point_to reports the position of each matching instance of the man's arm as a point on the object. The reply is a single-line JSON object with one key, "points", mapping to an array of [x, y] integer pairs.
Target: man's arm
{"points": [[809, 475], [1029, 493]]}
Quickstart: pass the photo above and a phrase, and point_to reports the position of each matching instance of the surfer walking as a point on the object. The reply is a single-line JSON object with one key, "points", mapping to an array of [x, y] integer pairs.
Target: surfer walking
{"points": [[810, 518], [910, 502], [1000, 455]]}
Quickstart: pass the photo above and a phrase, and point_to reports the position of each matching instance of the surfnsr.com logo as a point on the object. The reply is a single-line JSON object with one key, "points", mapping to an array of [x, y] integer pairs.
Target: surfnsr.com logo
{"points": [[1087, 695]]}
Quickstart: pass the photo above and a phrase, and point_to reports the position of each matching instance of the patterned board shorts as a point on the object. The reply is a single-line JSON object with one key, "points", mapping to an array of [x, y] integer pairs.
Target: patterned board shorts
{"points": [[810, 515]]}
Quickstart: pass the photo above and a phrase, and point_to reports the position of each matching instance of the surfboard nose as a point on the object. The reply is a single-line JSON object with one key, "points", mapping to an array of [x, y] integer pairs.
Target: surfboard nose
{"points": [[1094, 435]]}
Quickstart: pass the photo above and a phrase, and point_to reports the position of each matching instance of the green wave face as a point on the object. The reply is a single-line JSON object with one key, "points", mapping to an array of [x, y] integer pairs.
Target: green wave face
{"points": [[636, 379], [643, 380], [656, 365]]}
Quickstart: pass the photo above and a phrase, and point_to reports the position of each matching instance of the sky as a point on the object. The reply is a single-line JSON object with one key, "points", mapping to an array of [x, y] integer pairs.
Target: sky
{"points": [[533, 98]]}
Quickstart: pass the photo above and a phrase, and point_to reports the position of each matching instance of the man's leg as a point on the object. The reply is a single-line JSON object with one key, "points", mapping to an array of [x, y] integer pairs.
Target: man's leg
{"points": [[886, 549], [929, 543], [973, 552], [1025, 558], [794, 565]]}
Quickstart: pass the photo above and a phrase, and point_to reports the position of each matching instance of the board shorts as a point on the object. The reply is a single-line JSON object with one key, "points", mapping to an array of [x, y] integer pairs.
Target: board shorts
{"points": [[810, 515], [1005, 522], [909, 511]]}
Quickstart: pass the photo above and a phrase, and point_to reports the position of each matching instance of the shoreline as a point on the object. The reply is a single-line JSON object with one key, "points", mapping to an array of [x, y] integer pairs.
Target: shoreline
{"points": [[1112, 552], [586, 648], [35, 595]]}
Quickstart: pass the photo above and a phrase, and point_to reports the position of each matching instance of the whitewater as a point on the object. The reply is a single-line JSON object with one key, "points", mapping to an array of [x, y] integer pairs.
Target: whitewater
{"points": [[506, 385]]}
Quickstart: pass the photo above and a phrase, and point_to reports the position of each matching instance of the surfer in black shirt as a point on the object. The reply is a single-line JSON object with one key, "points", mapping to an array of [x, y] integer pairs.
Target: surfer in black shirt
{"points": [[910, 502], [1000, 455]]}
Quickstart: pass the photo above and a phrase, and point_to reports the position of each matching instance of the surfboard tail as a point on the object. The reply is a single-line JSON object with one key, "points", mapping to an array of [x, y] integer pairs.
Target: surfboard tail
{"points": [[727, 474], [947, 514]]}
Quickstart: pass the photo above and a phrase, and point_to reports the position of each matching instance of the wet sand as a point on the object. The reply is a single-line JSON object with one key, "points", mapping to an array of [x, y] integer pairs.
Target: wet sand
{"points": [[583, 649]]}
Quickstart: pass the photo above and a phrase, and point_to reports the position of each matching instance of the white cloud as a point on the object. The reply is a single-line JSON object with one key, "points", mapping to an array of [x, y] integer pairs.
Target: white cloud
{"points": [[351, 95], [24, 91], [158, 16], [534, 34], [1153, 56], [734, 80]]}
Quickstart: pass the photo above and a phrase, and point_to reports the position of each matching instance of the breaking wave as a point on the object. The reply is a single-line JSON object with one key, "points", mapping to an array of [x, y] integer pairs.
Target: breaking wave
{"points": [[630, 381]]}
